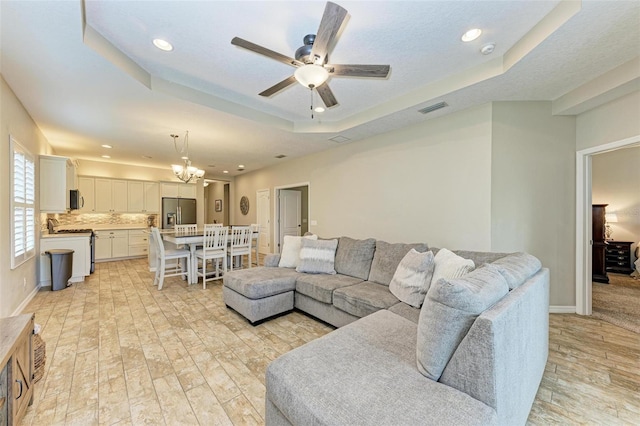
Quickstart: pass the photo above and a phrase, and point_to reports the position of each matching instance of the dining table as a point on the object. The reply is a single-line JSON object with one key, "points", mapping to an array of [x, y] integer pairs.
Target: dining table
{"points": [[193, 240]]}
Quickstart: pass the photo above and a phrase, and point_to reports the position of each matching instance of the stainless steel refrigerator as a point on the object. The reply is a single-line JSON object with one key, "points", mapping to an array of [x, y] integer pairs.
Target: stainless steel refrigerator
{"points": [[178, 211]]}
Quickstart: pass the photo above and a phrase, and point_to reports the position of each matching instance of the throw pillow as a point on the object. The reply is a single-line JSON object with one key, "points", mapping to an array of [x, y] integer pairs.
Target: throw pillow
{"points": [[449, 310], [517, 267], [449, 265], [317, 256], [413, 278], [290, 255]]}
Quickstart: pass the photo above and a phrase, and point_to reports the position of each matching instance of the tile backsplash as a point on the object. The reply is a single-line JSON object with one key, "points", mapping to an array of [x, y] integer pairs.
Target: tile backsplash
{"points": [[101, 219]]}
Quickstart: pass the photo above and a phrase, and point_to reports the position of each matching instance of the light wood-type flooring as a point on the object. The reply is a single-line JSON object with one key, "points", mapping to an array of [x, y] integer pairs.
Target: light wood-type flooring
{"points": [[120, 352]]}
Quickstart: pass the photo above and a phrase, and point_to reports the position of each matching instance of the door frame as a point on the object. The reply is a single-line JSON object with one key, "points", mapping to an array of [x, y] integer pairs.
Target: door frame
{"points": [[276, 208], [584, 218]]}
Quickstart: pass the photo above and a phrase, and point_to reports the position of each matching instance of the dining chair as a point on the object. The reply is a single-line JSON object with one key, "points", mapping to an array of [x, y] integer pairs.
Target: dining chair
{"points": [[181, 256], [255, 241], [185, 229], [214, 248], [240, 244]]}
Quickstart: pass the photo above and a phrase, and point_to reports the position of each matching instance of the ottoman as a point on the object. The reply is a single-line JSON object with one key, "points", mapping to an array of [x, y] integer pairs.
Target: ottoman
{"points": [[259, 293]]}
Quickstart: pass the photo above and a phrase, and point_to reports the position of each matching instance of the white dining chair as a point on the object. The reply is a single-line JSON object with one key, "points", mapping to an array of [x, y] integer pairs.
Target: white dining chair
{"points": [[185, 229], [240, 244], [214, 248], [255, 241], [163, 270]]}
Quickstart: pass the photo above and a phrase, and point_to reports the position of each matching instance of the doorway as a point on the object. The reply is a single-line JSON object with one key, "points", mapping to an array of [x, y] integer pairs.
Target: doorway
{"points": [[217, 202], [584, 220], [291, 206], [263, 218]]}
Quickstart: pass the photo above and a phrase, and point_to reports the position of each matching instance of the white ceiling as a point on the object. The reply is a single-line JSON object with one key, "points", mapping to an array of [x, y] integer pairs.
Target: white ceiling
{"points": [[104, 82]]}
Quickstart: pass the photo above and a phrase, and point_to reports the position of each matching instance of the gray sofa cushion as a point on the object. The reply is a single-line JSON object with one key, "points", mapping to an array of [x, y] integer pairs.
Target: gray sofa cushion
{"points": [[365, 374], [321, 287], [262, 281], [363, 299], [353, 257], [386, 259], [517, 267], [406, 311], [448, 312]]}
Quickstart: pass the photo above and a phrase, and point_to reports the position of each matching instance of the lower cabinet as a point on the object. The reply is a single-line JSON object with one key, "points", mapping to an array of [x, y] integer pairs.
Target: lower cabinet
{"points": [[81, 256], [16, 370], [111, 244], [138, 242]]}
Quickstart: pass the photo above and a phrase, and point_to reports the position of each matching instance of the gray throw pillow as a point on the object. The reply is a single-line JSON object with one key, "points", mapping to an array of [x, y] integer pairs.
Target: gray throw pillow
{"points": [[353, 257], [317, 256], [449, 310], [413, 278], [517, 267], [386, 259]]}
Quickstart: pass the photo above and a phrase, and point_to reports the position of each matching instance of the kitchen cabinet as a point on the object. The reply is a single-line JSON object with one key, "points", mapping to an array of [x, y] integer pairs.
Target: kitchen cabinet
{"points": [[110, 195], [16, 367], [138, 242], [178, 190], [81, 246], [88, 194], [143, 197], [57, 178], [111, 244]]}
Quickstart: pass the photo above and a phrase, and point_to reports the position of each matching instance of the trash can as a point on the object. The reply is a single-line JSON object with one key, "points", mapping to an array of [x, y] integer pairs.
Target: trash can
{"points": [[61, 267]]}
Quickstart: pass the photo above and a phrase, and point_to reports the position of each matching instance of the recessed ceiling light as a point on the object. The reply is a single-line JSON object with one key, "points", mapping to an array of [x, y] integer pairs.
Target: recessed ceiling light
{"points": [[106, 156], [319, 109], [106, 146], [471, 35], [241, 166], [185, 158], [225, 171], [162, 44]]}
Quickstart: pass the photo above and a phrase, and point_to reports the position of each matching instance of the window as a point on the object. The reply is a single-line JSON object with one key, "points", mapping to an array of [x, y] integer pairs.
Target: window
{"points": [[23, 241]]}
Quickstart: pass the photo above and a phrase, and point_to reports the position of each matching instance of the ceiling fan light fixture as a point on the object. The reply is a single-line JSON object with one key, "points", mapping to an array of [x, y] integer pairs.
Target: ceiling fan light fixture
{"points": [[311, 75], [319, 109]]}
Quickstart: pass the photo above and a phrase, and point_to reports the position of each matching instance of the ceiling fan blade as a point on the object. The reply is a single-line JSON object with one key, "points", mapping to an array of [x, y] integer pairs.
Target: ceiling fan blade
{"points": [[327, 95], [279, 86], [376, 71], [237, 41], [332, 19]]}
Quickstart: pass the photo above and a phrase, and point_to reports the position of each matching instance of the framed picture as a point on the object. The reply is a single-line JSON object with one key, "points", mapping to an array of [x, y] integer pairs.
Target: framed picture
{"points": [[218, 205]]}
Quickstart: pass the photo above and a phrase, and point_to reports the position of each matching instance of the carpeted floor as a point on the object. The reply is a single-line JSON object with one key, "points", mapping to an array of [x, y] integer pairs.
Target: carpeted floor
{"points": [[618, 302]]}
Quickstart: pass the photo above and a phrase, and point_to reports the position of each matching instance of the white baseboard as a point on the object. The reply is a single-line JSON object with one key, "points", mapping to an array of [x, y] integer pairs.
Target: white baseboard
{"points": [[26, 301], [555, 309]]}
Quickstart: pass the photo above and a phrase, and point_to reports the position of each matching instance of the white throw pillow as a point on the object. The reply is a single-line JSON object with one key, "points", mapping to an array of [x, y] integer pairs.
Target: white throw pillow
{"points": [[412, 278], [317, 256], [450, 266], [290, 255]]}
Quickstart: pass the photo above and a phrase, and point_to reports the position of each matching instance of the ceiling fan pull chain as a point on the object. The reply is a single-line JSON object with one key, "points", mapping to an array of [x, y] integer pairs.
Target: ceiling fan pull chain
{"points": [[311, 91]]}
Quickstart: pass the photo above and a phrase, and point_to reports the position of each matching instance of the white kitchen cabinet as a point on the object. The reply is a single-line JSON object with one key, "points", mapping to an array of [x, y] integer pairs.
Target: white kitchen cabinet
{"points": [[55, 183], [88, 194], [143, 197], [111, 244], [110, 195], [178, 190], [138, 242], [80, 245]]}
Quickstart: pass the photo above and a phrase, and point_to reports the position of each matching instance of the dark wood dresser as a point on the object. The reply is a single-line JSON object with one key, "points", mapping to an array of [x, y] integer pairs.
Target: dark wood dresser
{"points": [[599, 248], [618, 257]]}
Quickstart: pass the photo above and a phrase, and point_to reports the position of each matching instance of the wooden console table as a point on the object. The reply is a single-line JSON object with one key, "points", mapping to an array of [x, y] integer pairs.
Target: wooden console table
{"points": [[16, 375]]}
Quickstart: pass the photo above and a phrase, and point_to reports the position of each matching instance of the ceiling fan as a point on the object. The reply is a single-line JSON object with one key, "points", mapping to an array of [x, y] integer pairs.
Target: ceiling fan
{"points": [[311, 59]]}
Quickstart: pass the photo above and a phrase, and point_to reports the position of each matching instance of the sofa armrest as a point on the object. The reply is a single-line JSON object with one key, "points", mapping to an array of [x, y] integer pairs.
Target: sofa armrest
{"points": [[272, 260]]}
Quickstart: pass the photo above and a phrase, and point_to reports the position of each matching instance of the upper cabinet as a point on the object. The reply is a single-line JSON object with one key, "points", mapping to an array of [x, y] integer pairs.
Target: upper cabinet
{"points": [[86, 187], [143, 197], [110, 195], [57, 178], [178, 190]]}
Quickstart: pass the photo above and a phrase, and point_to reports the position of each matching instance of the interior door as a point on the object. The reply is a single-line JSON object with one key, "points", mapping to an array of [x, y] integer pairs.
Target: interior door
{"points": [[263, 216], [290, 213]]}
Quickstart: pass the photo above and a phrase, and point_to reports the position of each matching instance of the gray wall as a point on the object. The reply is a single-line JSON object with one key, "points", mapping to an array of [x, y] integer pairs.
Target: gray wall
{"points": [[533, 189], [215, 191]]}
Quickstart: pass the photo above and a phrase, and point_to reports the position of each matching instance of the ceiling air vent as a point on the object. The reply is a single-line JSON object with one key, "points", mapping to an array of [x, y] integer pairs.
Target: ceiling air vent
{"points": [[431, 108], [280, 156]]}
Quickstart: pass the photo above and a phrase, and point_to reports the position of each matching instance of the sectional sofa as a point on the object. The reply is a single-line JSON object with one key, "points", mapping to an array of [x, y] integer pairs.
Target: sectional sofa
{"points": [[464, 357]]}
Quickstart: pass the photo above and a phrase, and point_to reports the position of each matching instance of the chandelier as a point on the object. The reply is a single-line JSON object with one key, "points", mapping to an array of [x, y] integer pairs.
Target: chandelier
{"points": [[185, 172]]}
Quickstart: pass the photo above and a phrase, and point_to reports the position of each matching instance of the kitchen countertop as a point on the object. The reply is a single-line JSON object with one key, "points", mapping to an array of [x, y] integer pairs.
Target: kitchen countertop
{"points": [[74, 235], [102, 227]]}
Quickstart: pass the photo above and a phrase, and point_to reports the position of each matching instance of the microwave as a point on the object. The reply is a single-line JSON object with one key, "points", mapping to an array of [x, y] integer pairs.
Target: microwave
{"points": [[76, 201]]}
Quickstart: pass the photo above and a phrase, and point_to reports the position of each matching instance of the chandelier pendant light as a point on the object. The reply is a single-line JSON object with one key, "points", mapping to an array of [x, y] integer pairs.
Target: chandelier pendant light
{"points": [[185, 172]]}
